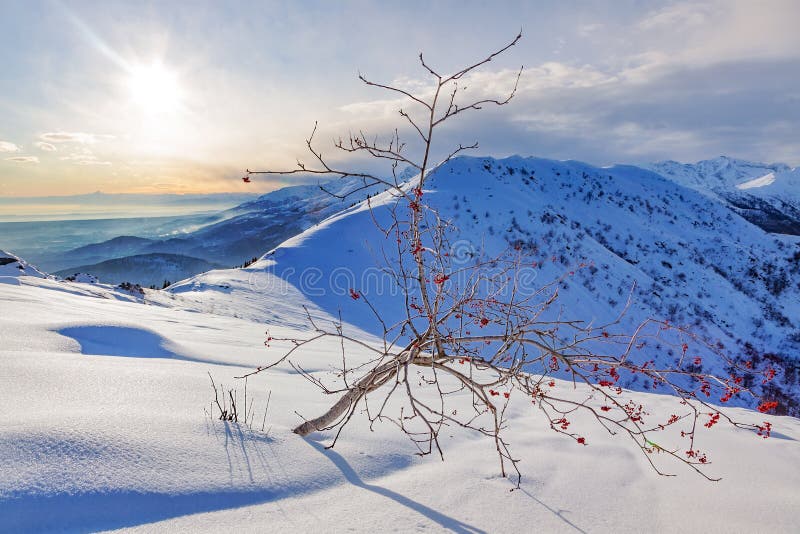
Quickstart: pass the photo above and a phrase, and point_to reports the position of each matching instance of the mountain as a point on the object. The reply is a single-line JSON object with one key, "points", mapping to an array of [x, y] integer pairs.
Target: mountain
{"points": [[142, 269], [693, 260], [12, 267], [722, 172], [767, 195], [240, 234], [47, 243], [771, 201], [253, 227], [117, 247]]}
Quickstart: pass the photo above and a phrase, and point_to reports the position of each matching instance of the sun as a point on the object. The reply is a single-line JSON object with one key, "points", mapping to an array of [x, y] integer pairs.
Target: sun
{"points": [[154, 88]]}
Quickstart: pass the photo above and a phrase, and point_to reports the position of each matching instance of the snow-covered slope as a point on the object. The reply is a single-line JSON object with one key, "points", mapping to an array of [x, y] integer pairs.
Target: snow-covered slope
{"points": [[694, 261], [13, 267], [143, 269], [719, 173], [104, 428], [781, 184], [262, 224], [767, 195]]}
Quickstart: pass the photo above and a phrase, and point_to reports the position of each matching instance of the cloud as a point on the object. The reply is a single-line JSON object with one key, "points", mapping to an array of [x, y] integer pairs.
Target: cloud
{"points": [[678, 15], [493, 84], [5, 146], [24, 159], [47, 147], [74, 137], [683, 113], [83, 156], [647, 113], [704, 32], [586, 30], [688, 81]]}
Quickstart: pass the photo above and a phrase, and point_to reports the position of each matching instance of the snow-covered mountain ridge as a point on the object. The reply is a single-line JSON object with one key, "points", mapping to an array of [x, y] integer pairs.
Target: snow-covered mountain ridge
{"points": [[720, 172], [12, 267], [143, 269], [767, 195], [693, 260]]}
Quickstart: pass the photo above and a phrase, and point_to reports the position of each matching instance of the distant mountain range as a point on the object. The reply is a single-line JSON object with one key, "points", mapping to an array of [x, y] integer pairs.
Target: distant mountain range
{"points": [[767, 195], [147, 270], [231, 238]]}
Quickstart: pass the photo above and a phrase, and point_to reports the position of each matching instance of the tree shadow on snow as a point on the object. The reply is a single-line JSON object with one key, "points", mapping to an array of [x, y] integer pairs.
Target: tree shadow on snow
{"points": [[352, 477], [107, 510], [90, 512], [558, 513]]}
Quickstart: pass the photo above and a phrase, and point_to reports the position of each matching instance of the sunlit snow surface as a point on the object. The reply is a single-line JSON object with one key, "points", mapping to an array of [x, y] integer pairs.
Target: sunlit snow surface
{"points": [[104, 428], [762, 181]]}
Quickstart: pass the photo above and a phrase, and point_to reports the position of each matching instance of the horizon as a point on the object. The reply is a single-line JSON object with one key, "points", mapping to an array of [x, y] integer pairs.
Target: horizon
{"points": [[12, 198], [101, 205], [157, 105]]}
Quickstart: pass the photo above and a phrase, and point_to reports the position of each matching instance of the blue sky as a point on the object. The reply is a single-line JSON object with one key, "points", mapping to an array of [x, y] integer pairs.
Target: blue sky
{"points": [[181, 96]]}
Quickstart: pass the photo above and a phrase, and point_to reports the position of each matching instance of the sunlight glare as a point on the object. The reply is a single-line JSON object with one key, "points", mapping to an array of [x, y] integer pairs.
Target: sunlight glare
{"points": [[154, 88]]}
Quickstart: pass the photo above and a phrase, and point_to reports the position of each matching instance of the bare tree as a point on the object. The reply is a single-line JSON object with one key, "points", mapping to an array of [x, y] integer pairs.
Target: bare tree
{"points": [[477, 330]]}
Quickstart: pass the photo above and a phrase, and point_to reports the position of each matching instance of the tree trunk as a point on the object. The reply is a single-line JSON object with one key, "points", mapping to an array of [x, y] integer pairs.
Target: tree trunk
{"points": [[369, 383]]}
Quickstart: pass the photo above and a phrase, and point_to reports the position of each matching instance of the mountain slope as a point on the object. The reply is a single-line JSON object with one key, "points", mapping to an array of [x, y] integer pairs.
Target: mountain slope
{"points": [[143, 269], [12, 267], [236, 236], [719, 173], [253, 227], [768, 195], [117, 247], [693, 261]]}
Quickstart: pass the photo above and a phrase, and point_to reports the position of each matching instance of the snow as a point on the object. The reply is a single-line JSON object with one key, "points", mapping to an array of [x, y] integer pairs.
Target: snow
{"points": [[692, 260], [765, 180], [107, 393], [766, 194], [83, 278], [12, 268], [104, 428], [721, 172], [783, 185], [119, 341], [142, 269]]}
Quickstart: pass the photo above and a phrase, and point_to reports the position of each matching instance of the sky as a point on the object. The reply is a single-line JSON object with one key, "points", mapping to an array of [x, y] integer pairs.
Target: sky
{"points": [[181, 97]]}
